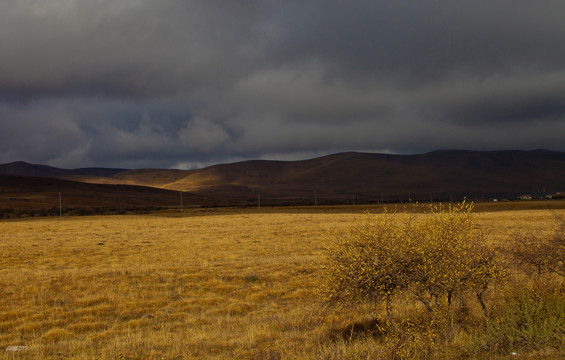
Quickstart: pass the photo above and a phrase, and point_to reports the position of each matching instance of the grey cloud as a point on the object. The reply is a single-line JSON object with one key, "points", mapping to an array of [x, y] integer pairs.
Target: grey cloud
{"points": [[133, 48], [181, 83], [498, 99], [415, 41], [46, 133], [203, 135], [303, 95]]}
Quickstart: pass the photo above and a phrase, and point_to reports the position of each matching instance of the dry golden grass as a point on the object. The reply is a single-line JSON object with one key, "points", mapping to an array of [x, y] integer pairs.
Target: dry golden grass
{"points": [[235, 285]]}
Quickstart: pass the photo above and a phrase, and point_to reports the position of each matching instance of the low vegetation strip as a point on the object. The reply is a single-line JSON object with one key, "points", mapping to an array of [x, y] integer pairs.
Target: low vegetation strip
{"points": [[235, 285]]}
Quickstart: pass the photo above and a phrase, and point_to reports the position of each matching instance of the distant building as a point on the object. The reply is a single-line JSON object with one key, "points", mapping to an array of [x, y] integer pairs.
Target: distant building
{"points": [[526, 197], [559, 195]]}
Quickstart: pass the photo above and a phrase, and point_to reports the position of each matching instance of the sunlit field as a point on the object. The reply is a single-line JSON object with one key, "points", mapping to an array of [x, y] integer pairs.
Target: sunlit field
{"points": [[182, 286]]}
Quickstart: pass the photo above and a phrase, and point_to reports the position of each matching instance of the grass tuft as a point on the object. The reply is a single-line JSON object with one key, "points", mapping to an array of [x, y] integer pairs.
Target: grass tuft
{"points": [[532, 319]]}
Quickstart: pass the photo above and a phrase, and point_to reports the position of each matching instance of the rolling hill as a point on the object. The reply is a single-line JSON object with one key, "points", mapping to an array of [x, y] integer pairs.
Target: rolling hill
{"points": [[366, 177], [29, 194], [439, 174]]}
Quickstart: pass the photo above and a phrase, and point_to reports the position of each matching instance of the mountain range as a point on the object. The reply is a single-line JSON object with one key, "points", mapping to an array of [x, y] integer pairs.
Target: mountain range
{"points": [[338, 178]]}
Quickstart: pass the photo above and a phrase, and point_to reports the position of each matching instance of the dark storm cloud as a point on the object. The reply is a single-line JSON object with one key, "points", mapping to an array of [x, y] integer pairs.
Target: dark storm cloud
{"points": [[519, 99], [421, 41], [125, 48], [188, 83]]}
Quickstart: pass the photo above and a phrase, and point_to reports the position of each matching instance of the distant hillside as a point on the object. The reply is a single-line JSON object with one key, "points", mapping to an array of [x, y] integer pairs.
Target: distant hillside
{"points": [[394, 177], [439, 175], [27, 193], [21, 168]]}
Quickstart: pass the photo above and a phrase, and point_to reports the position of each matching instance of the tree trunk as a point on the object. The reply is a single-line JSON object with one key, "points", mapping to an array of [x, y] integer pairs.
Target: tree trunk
{"points": [[482, 302], [389, 310]]}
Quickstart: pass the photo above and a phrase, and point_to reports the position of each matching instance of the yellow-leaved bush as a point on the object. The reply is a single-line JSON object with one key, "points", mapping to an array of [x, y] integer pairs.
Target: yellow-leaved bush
{"points": [[433, 257]]}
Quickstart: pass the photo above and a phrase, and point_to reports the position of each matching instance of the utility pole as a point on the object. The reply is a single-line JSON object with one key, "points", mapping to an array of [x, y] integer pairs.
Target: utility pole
{"points": [[259, 201], [181, 201], [315, 198], [353, 198], [60, 206]]}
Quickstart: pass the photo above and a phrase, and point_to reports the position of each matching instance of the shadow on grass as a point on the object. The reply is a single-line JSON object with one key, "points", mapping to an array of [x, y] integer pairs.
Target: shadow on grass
{"points": [[375, 328]]}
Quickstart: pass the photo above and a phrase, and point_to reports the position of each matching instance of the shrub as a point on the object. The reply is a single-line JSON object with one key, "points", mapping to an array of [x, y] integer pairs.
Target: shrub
{"points": [[367, 263], [539, 254], [432, 257], [449, 257]]}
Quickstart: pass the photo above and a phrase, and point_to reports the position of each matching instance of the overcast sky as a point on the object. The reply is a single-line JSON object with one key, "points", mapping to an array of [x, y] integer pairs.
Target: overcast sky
{"points": [[189, 83]]}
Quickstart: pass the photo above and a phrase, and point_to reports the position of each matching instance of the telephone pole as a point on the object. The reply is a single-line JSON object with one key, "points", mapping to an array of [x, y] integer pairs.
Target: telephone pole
{"points": [[315, 198]]}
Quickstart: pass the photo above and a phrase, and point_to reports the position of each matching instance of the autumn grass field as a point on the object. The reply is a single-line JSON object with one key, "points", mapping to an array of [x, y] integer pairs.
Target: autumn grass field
{"points": [[213, 285]]}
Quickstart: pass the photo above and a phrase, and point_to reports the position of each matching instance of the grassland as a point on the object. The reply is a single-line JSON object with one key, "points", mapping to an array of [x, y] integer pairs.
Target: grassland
{"points": [[198, 285]]}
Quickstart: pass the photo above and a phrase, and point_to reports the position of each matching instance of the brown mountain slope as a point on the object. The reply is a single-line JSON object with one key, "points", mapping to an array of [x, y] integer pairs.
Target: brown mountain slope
{"points": [[25, 192], [370, 177], [21, 168], [144, 177], [393, 176]]}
